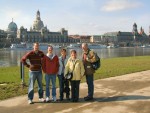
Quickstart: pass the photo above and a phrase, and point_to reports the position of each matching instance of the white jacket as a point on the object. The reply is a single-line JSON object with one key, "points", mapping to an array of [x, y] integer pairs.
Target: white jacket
{"points": [[78, 68], [61, 65]]}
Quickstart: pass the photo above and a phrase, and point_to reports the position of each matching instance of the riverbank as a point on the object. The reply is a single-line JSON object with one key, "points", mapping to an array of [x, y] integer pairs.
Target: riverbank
{"points": [[12, 57], [10, 76]]}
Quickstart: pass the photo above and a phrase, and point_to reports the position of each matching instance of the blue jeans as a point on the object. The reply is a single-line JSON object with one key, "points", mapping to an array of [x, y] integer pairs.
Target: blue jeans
{"points": [[89, 80], [32, 77], [49, 77]]}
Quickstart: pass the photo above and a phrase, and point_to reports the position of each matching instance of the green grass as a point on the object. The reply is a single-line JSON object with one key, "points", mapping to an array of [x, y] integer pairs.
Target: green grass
{"points": [[124, 65], [109, 68]]}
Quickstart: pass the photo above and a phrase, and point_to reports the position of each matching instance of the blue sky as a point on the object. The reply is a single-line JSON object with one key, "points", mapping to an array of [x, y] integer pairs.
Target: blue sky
{"points": [[83, 17]]}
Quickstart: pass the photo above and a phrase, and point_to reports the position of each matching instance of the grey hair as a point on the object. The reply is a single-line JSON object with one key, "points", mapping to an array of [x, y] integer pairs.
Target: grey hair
{"points": [[85, 44]]}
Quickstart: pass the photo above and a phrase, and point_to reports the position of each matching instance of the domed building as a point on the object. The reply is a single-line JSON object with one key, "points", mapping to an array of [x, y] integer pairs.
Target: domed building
{"points": [[12, 30], [12, 27], [40, 33]]}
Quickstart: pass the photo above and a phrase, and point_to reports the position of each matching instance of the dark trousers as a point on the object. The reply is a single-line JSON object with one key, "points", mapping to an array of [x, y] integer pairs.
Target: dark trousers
{"points": [[75, 90], [89, 80], [63, 86]]}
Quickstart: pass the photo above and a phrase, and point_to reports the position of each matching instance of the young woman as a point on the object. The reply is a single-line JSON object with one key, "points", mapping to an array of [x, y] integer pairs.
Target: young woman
{"points": [[63, 83]]}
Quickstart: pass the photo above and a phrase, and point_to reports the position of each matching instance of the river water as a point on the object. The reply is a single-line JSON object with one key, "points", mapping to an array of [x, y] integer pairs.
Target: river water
{"points": [[12, 57]]}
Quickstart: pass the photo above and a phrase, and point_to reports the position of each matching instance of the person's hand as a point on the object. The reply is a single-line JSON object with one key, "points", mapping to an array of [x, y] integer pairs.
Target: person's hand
{"points": [[31, 66]]}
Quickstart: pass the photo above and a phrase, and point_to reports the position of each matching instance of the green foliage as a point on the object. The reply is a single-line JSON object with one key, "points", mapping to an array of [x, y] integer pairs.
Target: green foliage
{"points": [[10, 80]]}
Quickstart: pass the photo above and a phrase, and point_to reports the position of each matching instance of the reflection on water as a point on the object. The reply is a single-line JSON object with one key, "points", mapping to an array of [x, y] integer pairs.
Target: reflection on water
{"points": [[12, 57]]}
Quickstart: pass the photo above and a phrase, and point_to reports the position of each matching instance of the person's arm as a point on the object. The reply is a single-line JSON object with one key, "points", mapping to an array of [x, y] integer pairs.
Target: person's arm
{"points": [[91, 57], [24, 58], [82, 69], [57, 64], [44, 64], [67, 67]]}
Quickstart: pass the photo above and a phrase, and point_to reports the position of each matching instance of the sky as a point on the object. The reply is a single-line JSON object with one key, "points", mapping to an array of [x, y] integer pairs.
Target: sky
{"points": [[83, 17]]}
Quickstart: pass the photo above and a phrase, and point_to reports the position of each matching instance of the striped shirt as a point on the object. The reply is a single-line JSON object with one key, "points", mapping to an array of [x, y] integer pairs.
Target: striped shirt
{"points": [[34, 59]]}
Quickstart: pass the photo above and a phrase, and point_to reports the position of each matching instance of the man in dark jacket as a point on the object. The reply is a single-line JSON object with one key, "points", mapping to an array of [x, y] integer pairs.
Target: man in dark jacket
{"points": [[88, 58]]}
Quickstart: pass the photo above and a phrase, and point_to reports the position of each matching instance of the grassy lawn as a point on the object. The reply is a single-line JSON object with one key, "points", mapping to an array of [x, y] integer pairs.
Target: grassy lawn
{"points": [[10, 81]]}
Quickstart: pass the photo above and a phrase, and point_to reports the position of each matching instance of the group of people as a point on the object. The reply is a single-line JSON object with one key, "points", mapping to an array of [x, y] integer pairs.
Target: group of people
{"points": [[54, 66]]}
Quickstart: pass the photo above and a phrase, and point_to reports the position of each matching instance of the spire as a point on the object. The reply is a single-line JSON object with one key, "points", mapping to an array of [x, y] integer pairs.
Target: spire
{"points": [[38, 12], [135, 31], [38, 15], [12, 19], [141, 28], [141, 31]]}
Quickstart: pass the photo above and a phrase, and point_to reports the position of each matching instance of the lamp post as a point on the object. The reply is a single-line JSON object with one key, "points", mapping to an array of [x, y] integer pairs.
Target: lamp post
{"points": [[134, 39]]}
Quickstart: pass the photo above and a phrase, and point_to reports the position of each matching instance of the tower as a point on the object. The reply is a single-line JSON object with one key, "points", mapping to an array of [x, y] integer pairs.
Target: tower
{"points": [[38, 23], [141, 31], [135, 31], [38, 15]]}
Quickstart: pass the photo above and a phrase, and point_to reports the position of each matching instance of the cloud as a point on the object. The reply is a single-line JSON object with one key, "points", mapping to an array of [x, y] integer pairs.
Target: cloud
{"points": [[116, 5]]}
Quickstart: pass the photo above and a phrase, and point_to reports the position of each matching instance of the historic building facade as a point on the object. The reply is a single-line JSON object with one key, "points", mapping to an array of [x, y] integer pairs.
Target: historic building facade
{"points": [[3, 38], [126, 38], [81, 38], [9, 36], [96, 38], [40, 33]]}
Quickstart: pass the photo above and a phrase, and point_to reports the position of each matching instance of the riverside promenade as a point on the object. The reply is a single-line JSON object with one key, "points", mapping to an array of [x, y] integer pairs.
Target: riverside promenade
{"points": [[128, 93]]}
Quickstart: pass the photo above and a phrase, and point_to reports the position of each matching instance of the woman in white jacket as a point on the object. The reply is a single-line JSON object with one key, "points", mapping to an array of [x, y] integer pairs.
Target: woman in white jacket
{"points": [[75, 66], [63, 84]]}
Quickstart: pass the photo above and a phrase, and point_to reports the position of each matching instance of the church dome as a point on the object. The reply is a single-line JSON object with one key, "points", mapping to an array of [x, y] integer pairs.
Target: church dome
{"points": [[12, 26], [38, 23]]}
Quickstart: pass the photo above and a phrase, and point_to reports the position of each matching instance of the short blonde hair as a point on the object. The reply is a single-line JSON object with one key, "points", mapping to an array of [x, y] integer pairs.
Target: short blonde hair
{"points": [[36, 43]]}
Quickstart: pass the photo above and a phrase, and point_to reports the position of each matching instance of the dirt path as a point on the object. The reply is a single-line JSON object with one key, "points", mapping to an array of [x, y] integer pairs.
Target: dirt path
{"points": [[123, 94]]}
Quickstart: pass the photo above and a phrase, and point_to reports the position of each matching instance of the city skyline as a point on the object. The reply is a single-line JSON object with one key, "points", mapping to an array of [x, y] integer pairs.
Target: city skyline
{"points": [[86, 17]]}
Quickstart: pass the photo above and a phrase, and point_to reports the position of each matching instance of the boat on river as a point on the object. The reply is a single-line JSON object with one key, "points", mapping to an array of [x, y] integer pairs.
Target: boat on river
{"points": [[29, 46], [96, 46], [18, 46], [44, 46], [74, 46]]}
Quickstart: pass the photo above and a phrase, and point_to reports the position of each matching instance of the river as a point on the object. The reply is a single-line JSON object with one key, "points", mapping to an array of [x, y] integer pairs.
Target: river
{"points": [[12, 57]]}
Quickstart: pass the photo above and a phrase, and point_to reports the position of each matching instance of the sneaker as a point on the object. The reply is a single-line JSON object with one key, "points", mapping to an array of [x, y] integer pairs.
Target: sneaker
{"points": [[41, 100], [30, 102], [47, 99], [54, 99]]}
